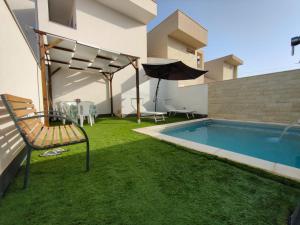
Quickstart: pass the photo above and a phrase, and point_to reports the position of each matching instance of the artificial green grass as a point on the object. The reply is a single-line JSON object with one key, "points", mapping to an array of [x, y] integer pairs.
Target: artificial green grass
{"points": [[135, 179]]}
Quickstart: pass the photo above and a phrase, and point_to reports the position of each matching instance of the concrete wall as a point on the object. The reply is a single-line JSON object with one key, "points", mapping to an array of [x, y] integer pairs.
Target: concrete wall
{"points": [[19, 75], [188, 97], [147, 92], [169, 93], [103, 27], [271, 97]]}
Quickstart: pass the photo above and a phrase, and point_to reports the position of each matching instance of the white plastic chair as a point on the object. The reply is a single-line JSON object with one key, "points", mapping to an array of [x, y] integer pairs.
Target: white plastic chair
{"points": [[84, 112]]}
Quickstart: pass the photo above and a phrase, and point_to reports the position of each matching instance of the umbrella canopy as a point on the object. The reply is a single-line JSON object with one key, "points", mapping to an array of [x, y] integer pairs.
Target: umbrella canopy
{"points": [[172, 71]]}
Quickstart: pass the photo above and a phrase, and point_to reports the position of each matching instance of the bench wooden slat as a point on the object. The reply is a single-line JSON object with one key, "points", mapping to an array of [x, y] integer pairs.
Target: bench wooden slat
{"points": [[30, 123], [40, 139], [17, 99], [56, 136], [64, 134], [27, 130], [24, 112], [70, 133], [49, 138], [36, 130], [77, 132], [28, 126], [21, 105]]}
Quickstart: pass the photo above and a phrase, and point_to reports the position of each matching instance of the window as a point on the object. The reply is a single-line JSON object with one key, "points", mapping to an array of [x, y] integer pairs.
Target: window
{"points": [[190, 50], [62, 12]]}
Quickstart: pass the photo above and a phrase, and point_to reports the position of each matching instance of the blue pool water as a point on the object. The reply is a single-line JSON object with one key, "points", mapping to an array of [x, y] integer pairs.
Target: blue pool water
{"points": [[256, 140]]}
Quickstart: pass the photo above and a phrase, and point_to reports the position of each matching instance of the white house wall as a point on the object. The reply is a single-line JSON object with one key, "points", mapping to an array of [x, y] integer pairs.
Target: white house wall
{"points": [[99, 26], [19, 75], [147, 92], [193, 97]]}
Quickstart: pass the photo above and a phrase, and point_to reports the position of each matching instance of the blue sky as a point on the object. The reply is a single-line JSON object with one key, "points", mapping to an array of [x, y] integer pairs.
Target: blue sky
{"points": [[257, 31]]}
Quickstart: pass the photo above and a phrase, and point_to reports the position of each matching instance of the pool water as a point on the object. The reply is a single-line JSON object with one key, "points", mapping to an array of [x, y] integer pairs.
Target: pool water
{"points": [[256, 140]]}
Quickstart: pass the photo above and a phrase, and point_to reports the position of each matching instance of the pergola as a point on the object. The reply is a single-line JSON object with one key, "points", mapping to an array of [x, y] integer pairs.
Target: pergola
{"points": [[58, 52]]}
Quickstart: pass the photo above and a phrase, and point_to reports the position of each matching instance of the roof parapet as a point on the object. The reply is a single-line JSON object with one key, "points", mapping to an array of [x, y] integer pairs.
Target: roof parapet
{"points": [[230, 59], [141, 10], [184, 29]]}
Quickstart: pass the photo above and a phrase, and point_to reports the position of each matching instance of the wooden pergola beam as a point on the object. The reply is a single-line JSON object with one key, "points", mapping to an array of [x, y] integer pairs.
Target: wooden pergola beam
{"points": [[137, 84], [109, 77], [42, 50]]}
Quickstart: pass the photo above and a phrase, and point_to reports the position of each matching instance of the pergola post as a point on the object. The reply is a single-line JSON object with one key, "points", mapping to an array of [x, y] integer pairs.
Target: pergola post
{"points": [[109, 77], [137, 83], [111, 95], [50, 88], [43, 76]]}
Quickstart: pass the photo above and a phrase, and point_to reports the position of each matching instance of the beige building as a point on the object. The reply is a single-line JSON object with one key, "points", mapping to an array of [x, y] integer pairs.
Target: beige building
{"points": [[180, 37], [225, 68]]}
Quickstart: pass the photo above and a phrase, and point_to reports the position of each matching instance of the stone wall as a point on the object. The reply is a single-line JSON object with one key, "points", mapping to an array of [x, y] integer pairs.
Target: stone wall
{"points": [[270, 98]]}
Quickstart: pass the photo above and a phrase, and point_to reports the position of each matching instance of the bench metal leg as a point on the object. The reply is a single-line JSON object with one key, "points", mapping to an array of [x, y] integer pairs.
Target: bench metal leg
{"points": [[87, 155], [27, 169]]}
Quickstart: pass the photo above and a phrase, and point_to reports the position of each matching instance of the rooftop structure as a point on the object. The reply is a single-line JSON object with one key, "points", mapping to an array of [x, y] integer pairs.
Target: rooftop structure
{"points": [[224, 68]]}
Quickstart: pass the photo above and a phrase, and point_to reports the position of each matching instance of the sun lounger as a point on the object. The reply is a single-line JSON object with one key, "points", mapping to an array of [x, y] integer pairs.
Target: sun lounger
{"points": [[158, 116], [171, 109]]}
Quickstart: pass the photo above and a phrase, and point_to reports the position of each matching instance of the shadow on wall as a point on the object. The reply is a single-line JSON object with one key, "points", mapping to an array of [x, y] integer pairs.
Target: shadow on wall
{"points": [[26, 18], [71, 80], [106, 13], [67, 85], [10, 141], [147, 91]]}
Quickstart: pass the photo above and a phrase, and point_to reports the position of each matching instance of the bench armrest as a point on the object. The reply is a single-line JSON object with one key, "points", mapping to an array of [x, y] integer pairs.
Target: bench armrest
{"points": [[56, 114]]}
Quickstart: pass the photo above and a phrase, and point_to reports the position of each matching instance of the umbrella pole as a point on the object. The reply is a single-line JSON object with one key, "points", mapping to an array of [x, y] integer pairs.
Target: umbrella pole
{"points": [[156, 93]]}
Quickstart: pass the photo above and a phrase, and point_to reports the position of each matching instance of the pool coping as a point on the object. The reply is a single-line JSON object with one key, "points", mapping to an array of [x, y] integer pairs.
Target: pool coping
{"points": [[271, 167]]}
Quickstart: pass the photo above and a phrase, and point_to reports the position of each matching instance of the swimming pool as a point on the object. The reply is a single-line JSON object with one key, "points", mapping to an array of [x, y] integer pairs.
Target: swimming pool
{"points": [[257, 140], [255, 144]]}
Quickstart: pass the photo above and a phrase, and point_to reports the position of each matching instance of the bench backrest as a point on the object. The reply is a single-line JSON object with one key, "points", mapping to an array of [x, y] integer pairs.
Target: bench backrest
{"points": [[18, 108]]}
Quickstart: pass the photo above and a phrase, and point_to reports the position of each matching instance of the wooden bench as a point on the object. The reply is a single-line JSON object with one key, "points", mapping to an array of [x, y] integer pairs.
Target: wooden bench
{"points": [[36, 135]]}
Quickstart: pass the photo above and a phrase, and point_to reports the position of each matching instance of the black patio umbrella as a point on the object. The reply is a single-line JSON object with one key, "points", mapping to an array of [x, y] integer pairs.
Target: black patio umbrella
{"points": [[171, 71]]}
